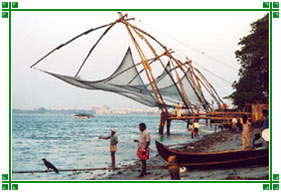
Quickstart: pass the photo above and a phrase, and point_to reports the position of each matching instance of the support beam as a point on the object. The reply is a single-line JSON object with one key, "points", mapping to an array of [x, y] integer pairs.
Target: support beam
{"points": [[146, 66], [168, 126], [162, 122]]}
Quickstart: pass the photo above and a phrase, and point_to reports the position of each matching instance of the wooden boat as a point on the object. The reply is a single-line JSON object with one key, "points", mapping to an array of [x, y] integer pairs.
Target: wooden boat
{"points": [[210, 160], [83, 116]]}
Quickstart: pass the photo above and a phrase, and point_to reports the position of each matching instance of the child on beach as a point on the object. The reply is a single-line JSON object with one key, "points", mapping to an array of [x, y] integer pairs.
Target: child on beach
{"points": [[113, 145], [178, 110], [195, 129]]}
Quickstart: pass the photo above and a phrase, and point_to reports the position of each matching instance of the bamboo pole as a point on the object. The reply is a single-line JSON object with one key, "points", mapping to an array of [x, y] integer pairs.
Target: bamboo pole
{"points": [[140, 63], [191, 82], [212, 88], [201, 96], [151, 60], [157, 57], [179, 63], [198, 85], [159, 44], [183, 93], [185, 98], [87, 169], [93, 47], [204, 117], [209, 91], [146, 66], [76, 37]]}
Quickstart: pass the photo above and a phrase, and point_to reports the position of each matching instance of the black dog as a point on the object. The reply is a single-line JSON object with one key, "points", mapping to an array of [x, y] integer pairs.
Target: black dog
{"points": [[50, 165]]}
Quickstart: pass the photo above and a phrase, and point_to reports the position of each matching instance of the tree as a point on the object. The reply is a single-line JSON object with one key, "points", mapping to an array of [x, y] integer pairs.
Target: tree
{"points": [[253, 83]]}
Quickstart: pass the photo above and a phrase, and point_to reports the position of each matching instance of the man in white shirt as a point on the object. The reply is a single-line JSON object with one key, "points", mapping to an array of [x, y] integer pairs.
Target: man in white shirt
{"points": [[143, 150]]}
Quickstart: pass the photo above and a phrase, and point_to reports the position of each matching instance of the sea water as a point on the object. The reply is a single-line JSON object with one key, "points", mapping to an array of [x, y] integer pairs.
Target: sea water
{"points": [[71, 143]]}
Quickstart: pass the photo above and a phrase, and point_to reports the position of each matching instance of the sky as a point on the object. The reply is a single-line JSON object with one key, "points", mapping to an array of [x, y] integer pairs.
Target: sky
{"points": [[198, 35]]}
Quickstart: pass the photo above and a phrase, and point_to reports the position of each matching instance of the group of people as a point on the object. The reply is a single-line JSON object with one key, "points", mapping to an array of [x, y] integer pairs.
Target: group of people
{"points": [[247, 130], [144, 138], [195, 125], [245, 126], [142, 151]]}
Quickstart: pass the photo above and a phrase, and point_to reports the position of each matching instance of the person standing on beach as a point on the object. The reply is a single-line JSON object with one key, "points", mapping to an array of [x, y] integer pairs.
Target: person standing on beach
{"points": [[178, 110], [246, 133], [113, 145], [195, 129], [265, 124], [234, 126], [143, 150]]}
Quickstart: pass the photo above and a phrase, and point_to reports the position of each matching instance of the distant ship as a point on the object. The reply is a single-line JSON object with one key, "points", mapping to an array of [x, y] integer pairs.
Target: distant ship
{"points": [[83, 116]]}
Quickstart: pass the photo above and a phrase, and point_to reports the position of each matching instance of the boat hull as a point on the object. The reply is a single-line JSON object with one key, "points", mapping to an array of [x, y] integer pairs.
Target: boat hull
{"points": [[83, 116], [211, 160]]}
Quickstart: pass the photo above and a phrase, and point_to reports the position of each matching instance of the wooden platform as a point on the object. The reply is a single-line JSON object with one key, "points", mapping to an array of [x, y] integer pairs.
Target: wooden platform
{"points": [[217, 118], [227, 115]]}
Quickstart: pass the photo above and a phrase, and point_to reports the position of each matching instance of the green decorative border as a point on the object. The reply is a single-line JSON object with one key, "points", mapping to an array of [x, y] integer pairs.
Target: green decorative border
{"points": [[9, 184]]}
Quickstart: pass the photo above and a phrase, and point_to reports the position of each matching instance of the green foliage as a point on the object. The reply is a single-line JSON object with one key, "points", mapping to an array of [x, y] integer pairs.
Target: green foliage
{"points": [[253, 84]]}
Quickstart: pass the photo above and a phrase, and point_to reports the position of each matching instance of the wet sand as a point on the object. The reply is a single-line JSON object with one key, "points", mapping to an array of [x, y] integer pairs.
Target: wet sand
{"points": [[219, 141]]}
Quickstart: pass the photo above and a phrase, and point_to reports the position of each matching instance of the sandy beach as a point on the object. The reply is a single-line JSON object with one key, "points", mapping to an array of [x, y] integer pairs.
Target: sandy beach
{"points": [[219, 141]]}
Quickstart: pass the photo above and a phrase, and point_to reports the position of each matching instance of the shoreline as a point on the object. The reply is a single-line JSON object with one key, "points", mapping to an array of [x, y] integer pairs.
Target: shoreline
{"points": [[218, 141]]}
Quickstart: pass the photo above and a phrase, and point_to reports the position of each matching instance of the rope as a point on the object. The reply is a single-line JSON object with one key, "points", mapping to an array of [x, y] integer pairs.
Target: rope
{"points": [[89, 169], [194, 49], [215, 75]]}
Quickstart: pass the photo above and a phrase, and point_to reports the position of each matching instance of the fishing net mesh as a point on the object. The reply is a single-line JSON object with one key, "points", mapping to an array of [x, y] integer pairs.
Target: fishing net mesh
{"points": [[126, 80]]}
